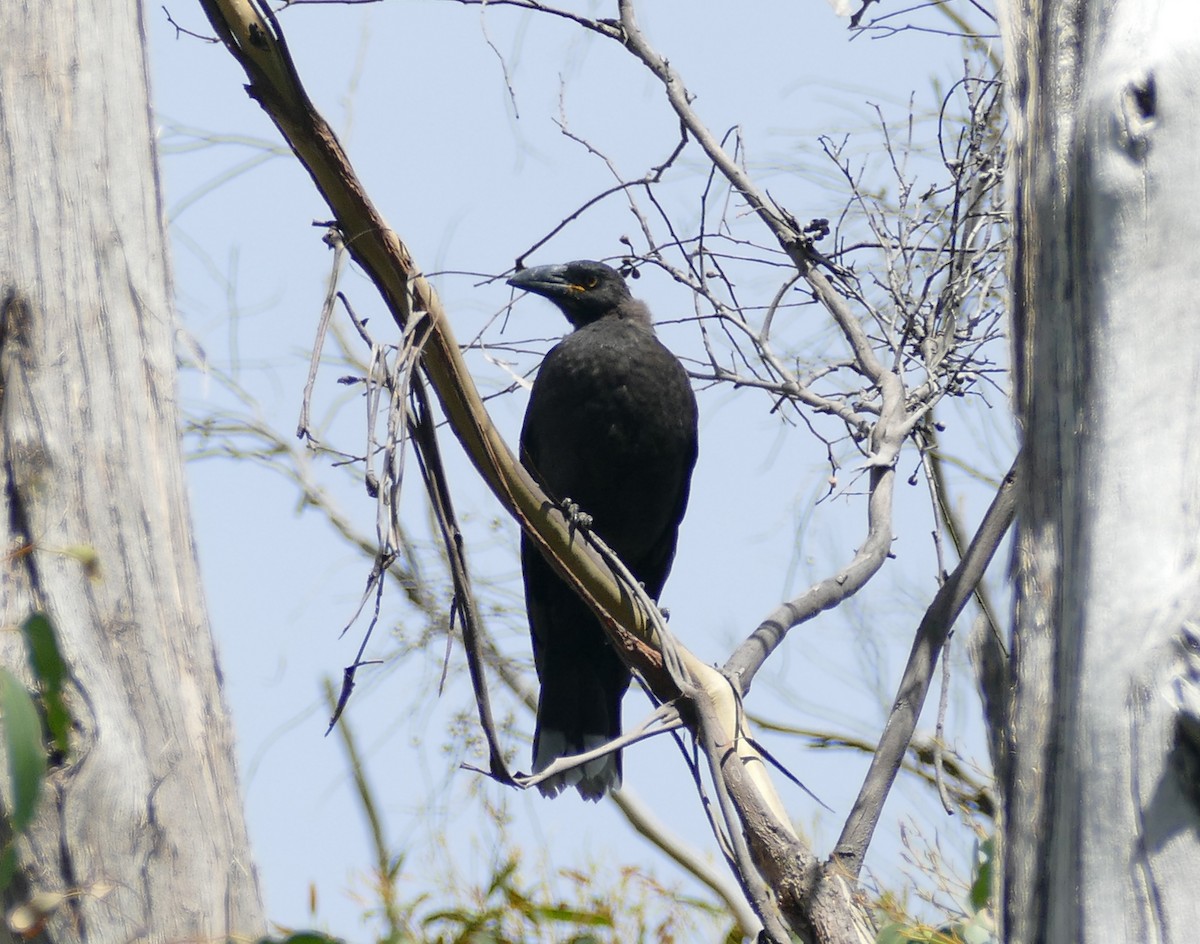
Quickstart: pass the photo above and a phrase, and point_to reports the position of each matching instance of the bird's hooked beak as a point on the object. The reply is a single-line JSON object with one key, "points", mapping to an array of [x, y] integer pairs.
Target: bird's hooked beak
{"points": [[550, 281]]}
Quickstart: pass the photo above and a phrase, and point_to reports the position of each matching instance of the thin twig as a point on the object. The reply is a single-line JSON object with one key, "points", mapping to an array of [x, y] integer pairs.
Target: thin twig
{"points": [[429, 457], [333, 239]]}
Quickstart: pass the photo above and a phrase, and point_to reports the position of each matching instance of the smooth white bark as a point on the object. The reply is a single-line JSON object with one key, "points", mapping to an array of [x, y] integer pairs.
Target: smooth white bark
{"points": [[1103, 826]]}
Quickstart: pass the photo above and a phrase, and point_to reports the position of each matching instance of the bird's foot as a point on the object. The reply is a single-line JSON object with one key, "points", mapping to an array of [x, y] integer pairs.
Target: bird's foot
{"points": [[577, 518]]}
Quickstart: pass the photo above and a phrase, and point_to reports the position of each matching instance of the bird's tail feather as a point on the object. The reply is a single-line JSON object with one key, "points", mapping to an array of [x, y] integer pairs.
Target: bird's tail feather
{"points": [[592, 779], [578, 711]]}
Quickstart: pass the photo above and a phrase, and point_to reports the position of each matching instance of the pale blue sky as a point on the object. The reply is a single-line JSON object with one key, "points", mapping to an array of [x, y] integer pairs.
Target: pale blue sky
{"points": [[469, 181]]}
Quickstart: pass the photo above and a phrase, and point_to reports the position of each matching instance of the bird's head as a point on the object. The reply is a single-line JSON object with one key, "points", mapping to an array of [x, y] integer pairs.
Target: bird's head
{"points": [[585, 291]]}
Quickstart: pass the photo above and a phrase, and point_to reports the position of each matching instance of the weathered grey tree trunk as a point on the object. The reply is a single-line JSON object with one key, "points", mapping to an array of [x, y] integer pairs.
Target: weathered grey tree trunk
{"points": [[93, 508], [1103, 784]]}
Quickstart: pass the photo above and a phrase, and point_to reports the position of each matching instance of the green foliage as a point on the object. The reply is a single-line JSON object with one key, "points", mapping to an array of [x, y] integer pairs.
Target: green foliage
{"points": [[513, 911], [24, 736], [50, 671], [976, 924], [981, 887], [509, 911], [510, 915], [23, 747]]}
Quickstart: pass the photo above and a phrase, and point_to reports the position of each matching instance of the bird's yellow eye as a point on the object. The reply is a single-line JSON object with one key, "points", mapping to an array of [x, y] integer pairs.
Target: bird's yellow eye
{"points": [[589, 281]]}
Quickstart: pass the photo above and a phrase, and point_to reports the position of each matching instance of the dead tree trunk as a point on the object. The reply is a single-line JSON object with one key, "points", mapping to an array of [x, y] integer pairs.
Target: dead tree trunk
{"points": [[140, 834], [1103, 779]]}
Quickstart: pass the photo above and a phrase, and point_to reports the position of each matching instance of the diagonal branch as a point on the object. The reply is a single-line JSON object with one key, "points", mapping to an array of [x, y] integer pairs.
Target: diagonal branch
{"points": [[251, 33], [918, 673], [749, 657], [429, 457]]}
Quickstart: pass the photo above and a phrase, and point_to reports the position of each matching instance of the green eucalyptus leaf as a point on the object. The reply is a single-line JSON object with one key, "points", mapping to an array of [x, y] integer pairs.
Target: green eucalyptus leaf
{"points": [[23, 745], [8, 864], [50, 669], [981, 888]]}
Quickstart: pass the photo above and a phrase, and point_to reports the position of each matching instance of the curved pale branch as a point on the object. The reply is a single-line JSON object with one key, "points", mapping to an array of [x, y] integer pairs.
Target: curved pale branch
{"points": [[749, 657]]}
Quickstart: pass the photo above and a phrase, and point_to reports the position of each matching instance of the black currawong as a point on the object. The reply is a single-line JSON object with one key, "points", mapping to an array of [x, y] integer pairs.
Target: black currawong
{"points": [[611, 426]]}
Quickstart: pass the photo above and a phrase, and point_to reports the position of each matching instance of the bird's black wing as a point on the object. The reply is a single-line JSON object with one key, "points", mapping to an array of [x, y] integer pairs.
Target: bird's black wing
{"points": [[611, 425]]}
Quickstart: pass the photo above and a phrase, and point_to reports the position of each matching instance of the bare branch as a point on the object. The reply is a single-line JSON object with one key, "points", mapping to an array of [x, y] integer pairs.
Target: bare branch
{"points": [[914, 684], [778, 221], [749, 657], [334, 239], [424, 437]]}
